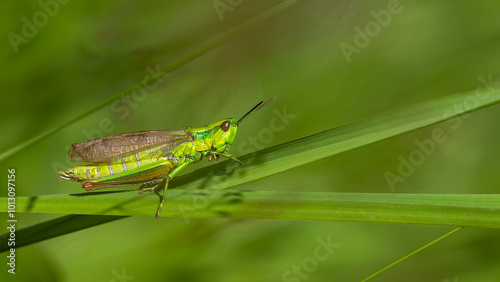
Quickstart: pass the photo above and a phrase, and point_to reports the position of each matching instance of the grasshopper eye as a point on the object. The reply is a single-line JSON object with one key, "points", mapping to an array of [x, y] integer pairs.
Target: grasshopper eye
{"points": [[225, 126]]}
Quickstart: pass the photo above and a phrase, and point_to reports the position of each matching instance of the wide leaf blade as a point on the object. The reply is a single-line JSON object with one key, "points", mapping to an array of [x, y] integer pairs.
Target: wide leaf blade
{"points": [[464, 210]]}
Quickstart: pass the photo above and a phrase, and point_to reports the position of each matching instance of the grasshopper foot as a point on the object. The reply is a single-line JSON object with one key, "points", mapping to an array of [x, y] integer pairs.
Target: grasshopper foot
{"points": [[151, 189], [159, 208]]}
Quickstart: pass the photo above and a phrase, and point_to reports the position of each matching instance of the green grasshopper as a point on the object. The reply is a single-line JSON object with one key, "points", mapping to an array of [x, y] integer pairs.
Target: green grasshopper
{"points": [[150, 157]]}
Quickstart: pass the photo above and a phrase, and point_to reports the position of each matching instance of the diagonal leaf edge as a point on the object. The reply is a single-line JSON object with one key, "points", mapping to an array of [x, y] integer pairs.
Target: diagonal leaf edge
{"points": [[414, 253], [54, 228]]}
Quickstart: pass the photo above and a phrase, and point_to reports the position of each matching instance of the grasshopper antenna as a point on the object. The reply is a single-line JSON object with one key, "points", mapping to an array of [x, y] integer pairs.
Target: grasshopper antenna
{"points": [[257, 107]]}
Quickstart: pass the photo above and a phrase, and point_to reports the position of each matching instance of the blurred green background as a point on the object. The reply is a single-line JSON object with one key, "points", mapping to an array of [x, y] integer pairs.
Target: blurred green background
{"points": [[79, 53]]}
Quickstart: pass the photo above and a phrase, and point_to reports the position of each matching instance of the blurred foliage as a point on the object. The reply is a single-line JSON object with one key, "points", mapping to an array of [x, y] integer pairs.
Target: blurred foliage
{"points": [[86, 52]]}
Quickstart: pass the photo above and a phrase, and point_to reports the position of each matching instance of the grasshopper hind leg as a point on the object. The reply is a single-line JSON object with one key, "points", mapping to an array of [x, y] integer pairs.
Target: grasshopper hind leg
{"points": [[164, 183]]}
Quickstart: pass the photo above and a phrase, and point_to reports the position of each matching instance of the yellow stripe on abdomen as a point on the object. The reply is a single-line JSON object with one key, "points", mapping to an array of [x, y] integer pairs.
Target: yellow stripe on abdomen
{"points": [[126, 163]]}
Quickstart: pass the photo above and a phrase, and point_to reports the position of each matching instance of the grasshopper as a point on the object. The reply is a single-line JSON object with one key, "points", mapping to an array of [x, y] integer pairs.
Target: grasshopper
{"points": [[150, 158]]}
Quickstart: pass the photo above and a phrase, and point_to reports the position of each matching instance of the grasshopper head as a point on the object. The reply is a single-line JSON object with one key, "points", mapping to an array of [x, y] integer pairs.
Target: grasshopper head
{"points": [[219, 136], [225, 130], [224, 133]]}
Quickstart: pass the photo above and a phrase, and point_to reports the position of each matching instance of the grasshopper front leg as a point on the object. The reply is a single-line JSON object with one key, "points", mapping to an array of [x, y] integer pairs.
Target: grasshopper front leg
{"points": [[229, 156]]}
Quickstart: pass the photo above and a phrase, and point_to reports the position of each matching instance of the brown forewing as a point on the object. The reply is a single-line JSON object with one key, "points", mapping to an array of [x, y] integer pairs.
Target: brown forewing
{"points": [[111, 147]]}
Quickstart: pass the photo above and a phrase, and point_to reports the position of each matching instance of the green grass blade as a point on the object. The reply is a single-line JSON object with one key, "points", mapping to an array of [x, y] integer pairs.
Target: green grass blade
{"points": [[337, 140], [433, 209], [198, 52]]}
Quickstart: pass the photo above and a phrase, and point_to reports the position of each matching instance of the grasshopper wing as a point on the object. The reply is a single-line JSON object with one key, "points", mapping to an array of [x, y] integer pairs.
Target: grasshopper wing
{"points": [[111, 147]]}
